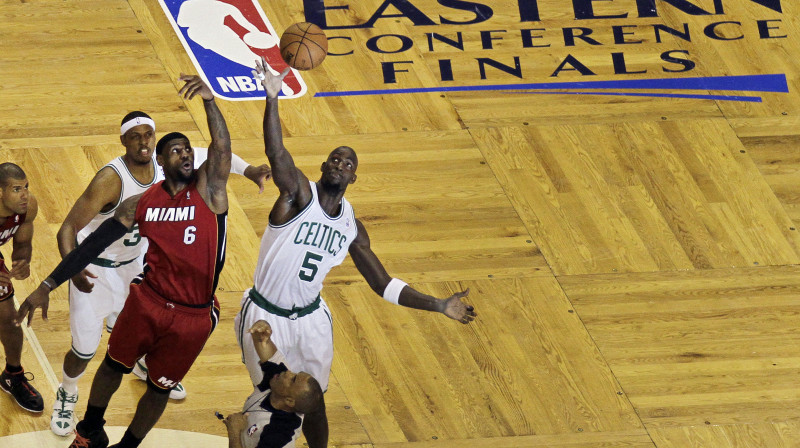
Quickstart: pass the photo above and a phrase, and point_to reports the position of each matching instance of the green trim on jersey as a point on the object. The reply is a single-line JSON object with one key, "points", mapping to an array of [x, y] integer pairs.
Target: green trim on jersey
{"points": [[292, 314], [121, 189]]}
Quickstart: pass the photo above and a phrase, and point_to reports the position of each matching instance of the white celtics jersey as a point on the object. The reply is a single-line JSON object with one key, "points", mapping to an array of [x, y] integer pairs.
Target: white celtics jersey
{"points": [[131, 245], [295, 257]]}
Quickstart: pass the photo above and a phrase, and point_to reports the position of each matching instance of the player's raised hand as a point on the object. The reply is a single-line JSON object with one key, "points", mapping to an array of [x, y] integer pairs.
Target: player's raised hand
{"points": [[272, 83], [261, 331], [455, 309], [258, 174], [39, 298], [194, 86], [20, 269]]}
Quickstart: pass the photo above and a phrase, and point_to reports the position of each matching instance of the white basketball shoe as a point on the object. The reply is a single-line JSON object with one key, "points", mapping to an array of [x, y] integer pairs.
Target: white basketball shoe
{"points": [[62, 422], [140, 370]]}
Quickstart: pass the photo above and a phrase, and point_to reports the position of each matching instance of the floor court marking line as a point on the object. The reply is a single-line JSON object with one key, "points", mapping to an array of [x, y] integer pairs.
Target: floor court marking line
{"points": [[36, 347]]}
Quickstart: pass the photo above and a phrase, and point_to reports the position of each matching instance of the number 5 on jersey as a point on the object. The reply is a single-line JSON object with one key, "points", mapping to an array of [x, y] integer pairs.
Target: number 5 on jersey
{"points": [[309, 269]]}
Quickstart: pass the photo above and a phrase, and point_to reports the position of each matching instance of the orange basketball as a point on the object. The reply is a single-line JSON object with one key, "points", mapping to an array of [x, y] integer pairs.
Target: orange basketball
{"points": [[304, 46]]}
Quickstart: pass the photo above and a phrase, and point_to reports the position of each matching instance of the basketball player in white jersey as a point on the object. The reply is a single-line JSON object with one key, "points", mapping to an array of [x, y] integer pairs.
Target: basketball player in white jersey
{"points": [[311, 229], [99, 292]]}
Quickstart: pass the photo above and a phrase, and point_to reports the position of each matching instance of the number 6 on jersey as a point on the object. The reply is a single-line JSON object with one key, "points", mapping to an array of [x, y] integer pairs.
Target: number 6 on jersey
{"points": [[189, 236]]}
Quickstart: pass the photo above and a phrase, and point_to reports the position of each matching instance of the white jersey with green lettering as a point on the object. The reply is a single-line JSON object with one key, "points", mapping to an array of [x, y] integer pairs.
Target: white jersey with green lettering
{"points": [[295, 257], [131, 246]]}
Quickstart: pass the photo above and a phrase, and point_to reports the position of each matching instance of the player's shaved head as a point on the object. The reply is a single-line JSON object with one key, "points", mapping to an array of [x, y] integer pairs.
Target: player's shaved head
{"points": [[10, 171], [348, 151], [309, 398]]}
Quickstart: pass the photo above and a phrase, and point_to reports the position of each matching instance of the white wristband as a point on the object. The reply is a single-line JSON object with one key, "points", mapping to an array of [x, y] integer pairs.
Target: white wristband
{"points": [[238, 165], [392, 292]]}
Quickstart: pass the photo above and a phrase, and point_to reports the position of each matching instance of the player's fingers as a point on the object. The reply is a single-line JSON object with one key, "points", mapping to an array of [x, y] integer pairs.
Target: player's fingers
{"points": [[183, 89], [44, 312], [23, 310], [284, 73], [90, 275]]}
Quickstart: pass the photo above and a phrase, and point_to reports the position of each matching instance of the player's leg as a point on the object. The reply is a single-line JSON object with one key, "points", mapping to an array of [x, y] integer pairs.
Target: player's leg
{"points": [[13, 379], [86, 312], [150, 408], [89, 432], [180, 339], [316, 342], [132, 334]]}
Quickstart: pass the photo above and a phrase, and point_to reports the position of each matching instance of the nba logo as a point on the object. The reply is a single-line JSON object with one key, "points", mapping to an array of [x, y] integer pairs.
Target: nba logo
{"points": [[224, 38]]}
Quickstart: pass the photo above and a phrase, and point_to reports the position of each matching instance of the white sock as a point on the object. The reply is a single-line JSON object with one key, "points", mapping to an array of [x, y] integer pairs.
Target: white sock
{"points": [[69, 383]]}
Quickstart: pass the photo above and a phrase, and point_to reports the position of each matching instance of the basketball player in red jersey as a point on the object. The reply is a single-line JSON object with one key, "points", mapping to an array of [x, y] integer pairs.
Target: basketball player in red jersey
{"points": [[18, 209], [171, 309]]}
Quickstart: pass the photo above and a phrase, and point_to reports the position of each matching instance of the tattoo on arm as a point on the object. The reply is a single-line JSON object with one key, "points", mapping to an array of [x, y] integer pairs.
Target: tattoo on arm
{"points": [[126, 212], [217, 125]]}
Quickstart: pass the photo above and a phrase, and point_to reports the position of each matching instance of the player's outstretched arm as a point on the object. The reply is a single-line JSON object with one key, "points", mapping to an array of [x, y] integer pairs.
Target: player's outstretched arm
{"points": [[397, 291], [108, 232], [218, 166], [292, 184]]}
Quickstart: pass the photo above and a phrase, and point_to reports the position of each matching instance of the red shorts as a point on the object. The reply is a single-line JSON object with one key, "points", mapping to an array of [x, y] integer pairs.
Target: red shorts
{"points": [[6, 290], [171, 335]]}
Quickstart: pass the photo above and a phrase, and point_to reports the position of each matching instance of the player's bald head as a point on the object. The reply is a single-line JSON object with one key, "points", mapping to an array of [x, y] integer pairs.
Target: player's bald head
{"points": [[347, 152]]}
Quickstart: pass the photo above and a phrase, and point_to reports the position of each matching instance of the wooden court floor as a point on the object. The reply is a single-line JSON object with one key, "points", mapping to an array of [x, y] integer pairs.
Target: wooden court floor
{"points": [[634, 260]]}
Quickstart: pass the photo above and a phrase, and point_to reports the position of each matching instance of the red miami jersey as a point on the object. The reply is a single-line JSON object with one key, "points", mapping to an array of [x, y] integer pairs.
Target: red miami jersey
{"points": [[186, 249], [8, 227]]}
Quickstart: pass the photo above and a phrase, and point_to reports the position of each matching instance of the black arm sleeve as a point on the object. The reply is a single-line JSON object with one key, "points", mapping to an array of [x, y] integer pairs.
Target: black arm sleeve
{"points": [[94, 244]]}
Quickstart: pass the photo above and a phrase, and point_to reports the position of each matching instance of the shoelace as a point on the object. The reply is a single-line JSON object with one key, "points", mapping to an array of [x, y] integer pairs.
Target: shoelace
{"points": [[61, 395], [22, 379], [80, 441]]}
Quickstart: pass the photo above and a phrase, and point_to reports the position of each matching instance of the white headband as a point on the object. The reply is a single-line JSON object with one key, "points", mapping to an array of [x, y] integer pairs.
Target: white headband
{"points": [[133, 122]]}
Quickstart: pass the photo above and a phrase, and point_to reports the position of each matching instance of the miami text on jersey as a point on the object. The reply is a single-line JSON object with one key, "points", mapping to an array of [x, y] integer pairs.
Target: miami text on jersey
{"points": [[170, 213]]}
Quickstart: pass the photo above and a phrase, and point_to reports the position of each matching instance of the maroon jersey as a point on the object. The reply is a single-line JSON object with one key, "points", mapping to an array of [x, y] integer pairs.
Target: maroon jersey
{"points": [[186, 244], [8, 227]]}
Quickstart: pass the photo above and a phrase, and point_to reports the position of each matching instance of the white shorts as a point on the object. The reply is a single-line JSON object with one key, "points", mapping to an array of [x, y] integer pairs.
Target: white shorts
{"points": [[306, 342], [87, 311]]}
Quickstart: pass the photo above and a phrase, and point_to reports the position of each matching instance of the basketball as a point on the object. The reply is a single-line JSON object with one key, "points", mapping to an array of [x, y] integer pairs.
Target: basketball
{"points": [[304, 46]]}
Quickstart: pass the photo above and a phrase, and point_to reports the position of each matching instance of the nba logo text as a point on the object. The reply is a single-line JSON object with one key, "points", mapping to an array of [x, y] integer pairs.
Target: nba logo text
{"points": [[224, 38]]}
